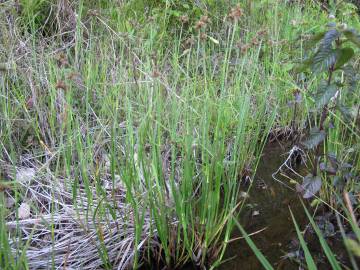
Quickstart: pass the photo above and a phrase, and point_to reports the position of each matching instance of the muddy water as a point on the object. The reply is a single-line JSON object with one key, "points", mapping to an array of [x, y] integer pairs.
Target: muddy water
{"points": [[267, 207]]}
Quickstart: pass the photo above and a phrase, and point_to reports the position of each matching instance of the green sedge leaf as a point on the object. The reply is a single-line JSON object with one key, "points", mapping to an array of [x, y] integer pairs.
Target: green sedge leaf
{"points": [[309, 260], [265, 263], [325, 247], [353, 246]]}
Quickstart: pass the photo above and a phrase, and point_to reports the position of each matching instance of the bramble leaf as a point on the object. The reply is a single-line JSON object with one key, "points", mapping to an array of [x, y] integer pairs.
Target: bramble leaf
{"points": [[345, 112], [327, 168], [323, 59], [324, 95], [311, 185], [325, 56], [328, 39], [351, 77], [315, 138], [333, 159], [343, 56]]}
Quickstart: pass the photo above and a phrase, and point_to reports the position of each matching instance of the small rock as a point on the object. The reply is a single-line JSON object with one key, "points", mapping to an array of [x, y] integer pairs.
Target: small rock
{"points": [[25, 175], [107, 162], [244, 195], [24, 211], [10, 202], [294, 22]]}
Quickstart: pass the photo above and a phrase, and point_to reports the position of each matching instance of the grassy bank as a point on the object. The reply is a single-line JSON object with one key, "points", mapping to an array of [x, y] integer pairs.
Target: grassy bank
{"points": [[125, 141]]}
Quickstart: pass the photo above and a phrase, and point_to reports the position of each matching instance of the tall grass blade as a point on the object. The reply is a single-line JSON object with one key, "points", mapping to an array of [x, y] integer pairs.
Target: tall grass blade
{"points": [[328, 252], [265, 263], [309, 260]]}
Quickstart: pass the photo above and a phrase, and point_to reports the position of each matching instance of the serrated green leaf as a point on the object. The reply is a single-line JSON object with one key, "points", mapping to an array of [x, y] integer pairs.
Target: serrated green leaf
{"points": [[345, 112], [351, 78], [324, 95], [328, 168], [316, 137], [323, 60], [352, 36], [343, 56], [311, 184], [325, 56], [329, 37]]}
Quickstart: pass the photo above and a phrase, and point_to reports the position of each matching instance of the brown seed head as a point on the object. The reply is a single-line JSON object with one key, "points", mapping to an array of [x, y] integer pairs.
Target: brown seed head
{"points": [[244, 48], [205, 19], [261, 33], [30, 103], [61, 85], [94, 13], [199, 25], [235, 13], [156, 74], [297, 95], [184, 19], [189, 42], [62, 60], [203, 36], [254, 41]]}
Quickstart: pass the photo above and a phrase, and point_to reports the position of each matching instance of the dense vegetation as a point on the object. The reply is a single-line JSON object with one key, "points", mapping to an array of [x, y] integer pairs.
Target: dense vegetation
{"points": [[127, 128]]}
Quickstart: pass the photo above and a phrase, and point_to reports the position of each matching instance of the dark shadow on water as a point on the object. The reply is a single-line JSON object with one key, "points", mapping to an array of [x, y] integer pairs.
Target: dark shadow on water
{"points": [[267, 206]]}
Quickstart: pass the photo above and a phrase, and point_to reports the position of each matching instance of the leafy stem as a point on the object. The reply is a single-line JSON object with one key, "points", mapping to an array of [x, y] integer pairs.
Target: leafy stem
{"points": [[324, 115], [331, 56]]}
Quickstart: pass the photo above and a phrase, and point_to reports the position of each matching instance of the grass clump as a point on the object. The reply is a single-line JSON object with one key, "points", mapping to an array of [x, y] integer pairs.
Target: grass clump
{"points": [[125, 144]]}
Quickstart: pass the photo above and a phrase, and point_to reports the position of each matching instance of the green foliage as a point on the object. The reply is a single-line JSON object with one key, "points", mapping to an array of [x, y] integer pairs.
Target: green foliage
{"points": [[328, 252], [343, 56], [34, 12], [176, 142], [309, 259], [330, 54], [315, 138], [170, 14], [351, 245], [352, 36], [311, 185], [324, 94]]}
